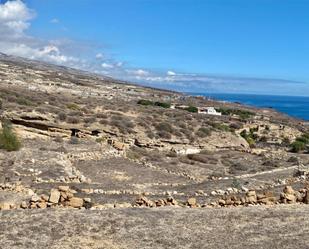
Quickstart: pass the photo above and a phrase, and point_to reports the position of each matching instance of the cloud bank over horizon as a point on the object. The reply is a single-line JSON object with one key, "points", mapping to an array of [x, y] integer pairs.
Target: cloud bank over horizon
{"points": [[15, 22]]}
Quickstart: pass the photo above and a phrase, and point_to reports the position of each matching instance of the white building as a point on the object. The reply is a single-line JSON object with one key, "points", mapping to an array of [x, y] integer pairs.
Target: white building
{"points": [[209, 111]]}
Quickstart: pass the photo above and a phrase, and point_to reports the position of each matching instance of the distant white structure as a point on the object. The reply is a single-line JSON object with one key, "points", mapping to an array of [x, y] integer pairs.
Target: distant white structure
{"points": [[173, 106], [209, 111]]}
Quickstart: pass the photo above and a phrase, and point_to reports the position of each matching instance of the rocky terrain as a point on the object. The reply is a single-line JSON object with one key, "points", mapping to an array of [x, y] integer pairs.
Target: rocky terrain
{"points": [[102, 163]]}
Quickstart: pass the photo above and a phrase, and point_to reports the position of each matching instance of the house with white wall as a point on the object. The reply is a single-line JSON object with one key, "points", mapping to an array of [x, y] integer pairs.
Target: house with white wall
{"points": [[209, 111]]}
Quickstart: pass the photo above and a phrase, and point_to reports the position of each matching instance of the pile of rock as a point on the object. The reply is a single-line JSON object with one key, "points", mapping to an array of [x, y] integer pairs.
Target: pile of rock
{"points": [[61, 197], [288, 196], [251, 198], [16, 187], [145, 202]]}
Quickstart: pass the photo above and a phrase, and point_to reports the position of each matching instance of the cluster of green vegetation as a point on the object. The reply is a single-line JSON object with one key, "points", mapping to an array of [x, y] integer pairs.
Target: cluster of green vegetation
{"points": [[251, 137], [203, 132], [8, 139], [151, 103], [220, 127], [73, 106], [192, 109], [241, 113], [301, 143]]}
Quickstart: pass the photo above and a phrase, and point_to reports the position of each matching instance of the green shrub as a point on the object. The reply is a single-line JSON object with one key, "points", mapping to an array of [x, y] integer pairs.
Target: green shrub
{"points": [[8, 139], [164, 126], [150, 103], [250, 137], [243, 114], [73, 106], [221, 127], [301, 143], [162, 104], [191, 109], [23, 101], [304, 139], [298, 146], [203, 132], [145, 102]]}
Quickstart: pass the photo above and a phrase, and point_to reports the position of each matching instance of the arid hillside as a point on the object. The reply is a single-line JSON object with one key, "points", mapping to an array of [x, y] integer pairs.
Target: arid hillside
{"points": [[117, 165]]}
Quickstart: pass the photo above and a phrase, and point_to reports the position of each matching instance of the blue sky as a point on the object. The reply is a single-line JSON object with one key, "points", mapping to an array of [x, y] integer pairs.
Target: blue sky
{"points": [[256, 46]]}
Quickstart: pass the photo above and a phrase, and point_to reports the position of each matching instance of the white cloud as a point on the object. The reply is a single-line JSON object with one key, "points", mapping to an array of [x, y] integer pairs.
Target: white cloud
{"points": [[171, 73], [14, 17], [138, 72], [107, 66], [99, 56], [54, 21], [14, 22]]}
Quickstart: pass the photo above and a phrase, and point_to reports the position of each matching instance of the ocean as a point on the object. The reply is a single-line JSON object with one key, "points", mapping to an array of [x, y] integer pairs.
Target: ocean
{"points": [[295, 106]]}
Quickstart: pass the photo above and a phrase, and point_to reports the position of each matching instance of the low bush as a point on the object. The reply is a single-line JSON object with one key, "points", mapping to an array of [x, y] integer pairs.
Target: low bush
{"points": [[198, 158], [192, 109], [145, 102], [162, 104], [151, 103], [301, 143], [73, 106], [241, 113], [62, 116], [298, 146], [73, 120], [8, 139], [203, 132]]}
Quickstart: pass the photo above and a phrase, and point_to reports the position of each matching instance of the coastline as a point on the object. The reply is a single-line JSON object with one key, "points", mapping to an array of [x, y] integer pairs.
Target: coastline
{"points": [[294, 106]]}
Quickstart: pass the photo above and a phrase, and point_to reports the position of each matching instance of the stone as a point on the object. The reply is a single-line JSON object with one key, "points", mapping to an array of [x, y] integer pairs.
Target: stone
{"points": [[63, 188], [44, 197], [42, 205], [69, 195], [87, 200], [221, 202], [35, 198], [24, 205], [5, 206], [251, 199], [30, 192], [251, 193], [213, 193], [291, 198], [123, 205], [288, 190], [306, 198], [54, 196], [192, 202], [64, 195], [76, 202], [260, 196], [243, 188]]}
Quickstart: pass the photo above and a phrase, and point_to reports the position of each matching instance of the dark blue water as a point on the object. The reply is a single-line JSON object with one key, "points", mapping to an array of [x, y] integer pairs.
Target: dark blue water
{"points": [[295, 106]]}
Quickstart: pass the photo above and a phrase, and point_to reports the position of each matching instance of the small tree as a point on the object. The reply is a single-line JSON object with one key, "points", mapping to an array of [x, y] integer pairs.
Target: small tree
{"points": [[8, 139], [298, 146], [192, 109]]}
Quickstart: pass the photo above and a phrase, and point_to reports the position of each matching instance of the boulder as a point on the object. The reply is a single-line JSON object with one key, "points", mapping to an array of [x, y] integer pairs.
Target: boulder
{"points": [[288, 190], [290, 198], [251, 193], [76, 202], [5, 206], [54, 196], [35, 198], [64, 188], [42, 205], [192, 202], [24, 205]]}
